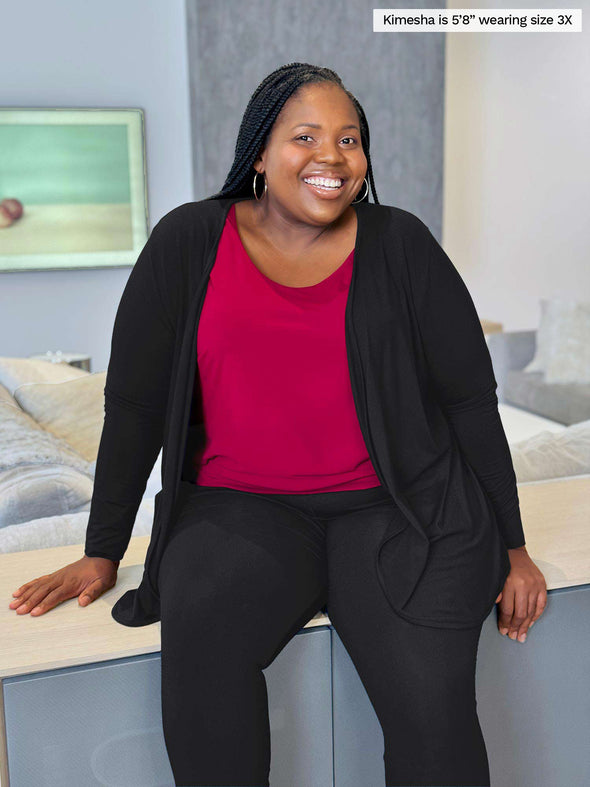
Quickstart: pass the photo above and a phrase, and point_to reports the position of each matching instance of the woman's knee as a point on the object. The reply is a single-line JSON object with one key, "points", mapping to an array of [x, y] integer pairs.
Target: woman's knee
{"points": [[218, 586]]}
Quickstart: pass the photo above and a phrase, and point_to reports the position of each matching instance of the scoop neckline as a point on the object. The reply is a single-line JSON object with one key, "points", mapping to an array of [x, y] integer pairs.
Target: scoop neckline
{"points": [[232, 221]]}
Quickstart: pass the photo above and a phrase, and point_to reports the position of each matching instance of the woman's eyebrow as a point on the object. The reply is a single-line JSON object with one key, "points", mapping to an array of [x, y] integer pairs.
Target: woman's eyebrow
{"points": [[317, 125]]}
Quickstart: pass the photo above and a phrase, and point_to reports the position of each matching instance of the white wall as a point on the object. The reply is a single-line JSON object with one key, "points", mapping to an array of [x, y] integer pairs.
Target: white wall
{"points": [[517, 166], [107, 54]]}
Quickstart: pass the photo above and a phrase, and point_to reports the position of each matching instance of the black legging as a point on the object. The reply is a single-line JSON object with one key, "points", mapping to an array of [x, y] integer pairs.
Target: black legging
{"points": [[240, 575]]}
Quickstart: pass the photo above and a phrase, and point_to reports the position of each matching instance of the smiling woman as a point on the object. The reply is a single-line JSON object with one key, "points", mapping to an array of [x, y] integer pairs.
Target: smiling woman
{"points": [[314, 165], [331, 441]]}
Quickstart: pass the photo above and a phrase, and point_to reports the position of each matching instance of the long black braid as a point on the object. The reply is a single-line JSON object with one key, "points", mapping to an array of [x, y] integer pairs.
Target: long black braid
{"points": [[262, 110]]}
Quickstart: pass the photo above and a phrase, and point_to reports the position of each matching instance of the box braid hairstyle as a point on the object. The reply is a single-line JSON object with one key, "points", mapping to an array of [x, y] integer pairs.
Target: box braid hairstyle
{"points": [[262, 110]]}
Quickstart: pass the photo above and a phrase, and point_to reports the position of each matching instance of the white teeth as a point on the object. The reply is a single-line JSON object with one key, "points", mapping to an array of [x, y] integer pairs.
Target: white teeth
{"points": [[325, 182]]}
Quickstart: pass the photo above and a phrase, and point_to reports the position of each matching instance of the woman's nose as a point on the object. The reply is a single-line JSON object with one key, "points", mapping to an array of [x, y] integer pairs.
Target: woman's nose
{"points": [[329, 151]]}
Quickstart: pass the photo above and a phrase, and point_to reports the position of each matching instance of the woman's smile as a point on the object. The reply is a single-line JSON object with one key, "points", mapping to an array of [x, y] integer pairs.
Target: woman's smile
{"points": [[325, 188]]}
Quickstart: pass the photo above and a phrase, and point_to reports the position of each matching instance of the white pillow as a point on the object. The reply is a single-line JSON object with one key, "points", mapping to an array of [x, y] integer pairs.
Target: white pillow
{"points": [[569, 361], [33, 491], [553, 454], [6, 397], [563, 342], [544, 337], [72, 410], [16, 371]]}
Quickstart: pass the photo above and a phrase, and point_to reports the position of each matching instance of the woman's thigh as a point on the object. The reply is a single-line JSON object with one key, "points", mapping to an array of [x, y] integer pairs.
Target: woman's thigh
{"points": [[419, 679], [240, 569]]}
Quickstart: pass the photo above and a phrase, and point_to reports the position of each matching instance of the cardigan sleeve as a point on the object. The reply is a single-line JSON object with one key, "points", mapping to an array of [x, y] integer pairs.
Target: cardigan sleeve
{"points": [[462, 375], [136, 392]]}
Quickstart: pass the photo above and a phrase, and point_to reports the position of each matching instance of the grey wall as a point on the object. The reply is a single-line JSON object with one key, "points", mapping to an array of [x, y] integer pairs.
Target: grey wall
{"points": [[134, 54], [397, 77], [112, 54]]}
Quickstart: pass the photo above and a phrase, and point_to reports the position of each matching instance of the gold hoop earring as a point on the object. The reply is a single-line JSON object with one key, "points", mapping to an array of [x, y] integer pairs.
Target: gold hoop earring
{"points": [[354, 202], [254, 186]]}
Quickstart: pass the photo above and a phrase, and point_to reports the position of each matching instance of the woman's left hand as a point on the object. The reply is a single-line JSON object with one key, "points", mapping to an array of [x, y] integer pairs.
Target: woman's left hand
{"points": [[523, 597]]}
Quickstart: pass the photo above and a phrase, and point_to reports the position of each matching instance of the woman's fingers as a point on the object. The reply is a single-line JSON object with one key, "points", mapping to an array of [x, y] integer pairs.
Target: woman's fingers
{"points": [[51, 599], [540, 604], [524, 596], [87, 578], [515, 620], [520, 622], [32, 597], [22, 594], [519, 611], [23, 588], [506, 610], [93, 591]]}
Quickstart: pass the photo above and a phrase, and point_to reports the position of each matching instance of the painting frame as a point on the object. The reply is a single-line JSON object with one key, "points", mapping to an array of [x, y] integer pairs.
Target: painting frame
{"points": [[84, 173]]}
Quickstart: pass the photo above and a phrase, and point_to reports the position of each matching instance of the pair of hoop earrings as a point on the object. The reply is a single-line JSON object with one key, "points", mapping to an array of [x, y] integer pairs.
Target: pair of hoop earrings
{"points": [[266, 189]]}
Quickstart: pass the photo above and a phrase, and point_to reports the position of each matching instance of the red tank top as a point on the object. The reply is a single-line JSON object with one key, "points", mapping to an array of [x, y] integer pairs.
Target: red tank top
{"points": [[276, 396]]}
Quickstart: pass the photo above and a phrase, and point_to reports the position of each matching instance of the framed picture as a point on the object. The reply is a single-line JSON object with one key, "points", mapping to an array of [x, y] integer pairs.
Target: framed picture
{"points": [[73, 188]]}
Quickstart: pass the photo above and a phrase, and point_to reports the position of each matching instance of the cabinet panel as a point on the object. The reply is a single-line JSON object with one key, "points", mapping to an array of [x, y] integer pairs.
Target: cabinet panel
{"points": [[358, 738], [101, 724], [533, 703], [97, 724], [300, 702], [534, 698]]}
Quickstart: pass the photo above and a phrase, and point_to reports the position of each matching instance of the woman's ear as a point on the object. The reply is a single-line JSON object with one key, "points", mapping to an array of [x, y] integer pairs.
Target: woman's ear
{"points": [[259, 161]]}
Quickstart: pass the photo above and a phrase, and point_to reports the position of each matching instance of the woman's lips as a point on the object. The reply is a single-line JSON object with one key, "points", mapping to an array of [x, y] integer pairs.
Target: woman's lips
{"points": [[325, 192]]}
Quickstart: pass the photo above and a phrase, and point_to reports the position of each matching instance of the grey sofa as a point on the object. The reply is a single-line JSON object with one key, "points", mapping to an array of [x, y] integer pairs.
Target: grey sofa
{"points": [[511, 351]]}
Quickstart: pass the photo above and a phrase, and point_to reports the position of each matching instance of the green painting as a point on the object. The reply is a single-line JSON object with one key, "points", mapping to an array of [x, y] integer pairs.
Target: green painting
{"points": [[72, 188]]}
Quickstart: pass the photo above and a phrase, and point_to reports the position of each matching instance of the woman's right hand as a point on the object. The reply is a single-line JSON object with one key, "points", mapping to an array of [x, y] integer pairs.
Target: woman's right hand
{"points": [[87, 578]]}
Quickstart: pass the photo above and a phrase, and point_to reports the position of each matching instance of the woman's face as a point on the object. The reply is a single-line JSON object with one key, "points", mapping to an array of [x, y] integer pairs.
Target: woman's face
{"points": [[317, 133]]}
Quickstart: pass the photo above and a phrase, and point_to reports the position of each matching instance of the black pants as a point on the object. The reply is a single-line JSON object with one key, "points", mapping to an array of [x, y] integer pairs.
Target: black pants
{"points": [[242, 572]]}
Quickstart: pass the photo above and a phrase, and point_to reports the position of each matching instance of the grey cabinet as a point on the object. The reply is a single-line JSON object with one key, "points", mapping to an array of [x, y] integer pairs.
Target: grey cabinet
{"points": [[533, 703], [534, 699], [100, 724], [97, 724], [358, 739]]}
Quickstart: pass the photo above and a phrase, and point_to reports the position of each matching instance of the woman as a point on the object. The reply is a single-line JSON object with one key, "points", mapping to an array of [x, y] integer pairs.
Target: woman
{"points": [[314, 368]]}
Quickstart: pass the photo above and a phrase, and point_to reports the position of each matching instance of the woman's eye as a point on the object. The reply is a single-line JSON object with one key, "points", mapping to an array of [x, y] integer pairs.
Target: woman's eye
{"points": [[307, 136]]}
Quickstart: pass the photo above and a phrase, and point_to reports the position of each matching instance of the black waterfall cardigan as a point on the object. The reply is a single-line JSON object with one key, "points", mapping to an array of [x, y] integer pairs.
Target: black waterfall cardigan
{"points": [[424, 392]]}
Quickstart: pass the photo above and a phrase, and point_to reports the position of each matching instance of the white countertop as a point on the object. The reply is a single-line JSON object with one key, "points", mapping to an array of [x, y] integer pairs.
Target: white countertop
{"points": [[555, 513]]}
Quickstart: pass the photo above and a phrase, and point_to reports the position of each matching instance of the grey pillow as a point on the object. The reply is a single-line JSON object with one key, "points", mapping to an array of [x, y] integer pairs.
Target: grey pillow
{"points": [[40, 474], [24, 442], [63, 530], [32, 491]]}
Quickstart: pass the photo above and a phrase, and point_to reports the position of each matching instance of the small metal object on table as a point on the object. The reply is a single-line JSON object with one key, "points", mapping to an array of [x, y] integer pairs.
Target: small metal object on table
{"points": [[80, 360]]}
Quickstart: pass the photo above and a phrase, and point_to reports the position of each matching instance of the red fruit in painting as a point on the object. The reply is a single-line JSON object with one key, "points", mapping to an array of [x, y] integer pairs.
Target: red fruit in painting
{"points": [[13, 206], [5, 218]]}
